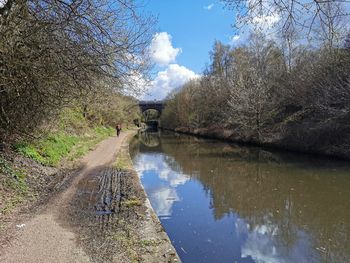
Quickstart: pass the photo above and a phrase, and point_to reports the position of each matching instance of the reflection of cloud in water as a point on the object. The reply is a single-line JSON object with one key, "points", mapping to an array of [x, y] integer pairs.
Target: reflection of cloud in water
{"points": [[262, 244], [142, 165], [162, 197], [173, 178], [157, 164], [162, 200]]}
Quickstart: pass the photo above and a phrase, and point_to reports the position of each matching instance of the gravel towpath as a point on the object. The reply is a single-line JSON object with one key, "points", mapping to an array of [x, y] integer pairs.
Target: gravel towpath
{"points": [[44, 238]]}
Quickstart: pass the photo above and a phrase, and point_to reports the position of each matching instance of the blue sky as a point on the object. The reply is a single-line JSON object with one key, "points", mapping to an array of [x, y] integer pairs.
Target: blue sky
{"points": [[186, 32], [193, 27]]}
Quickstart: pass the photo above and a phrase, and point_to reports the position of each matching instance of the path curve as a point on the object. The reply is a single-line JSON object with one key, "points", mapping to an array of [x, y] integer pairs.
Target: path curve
{"points": [[43, 238]]}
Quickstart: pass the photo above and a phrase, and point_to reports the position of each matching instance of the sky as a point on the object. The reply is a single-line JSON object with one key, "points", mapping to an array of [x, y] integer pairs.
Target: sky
{"points": [[186, 32]]}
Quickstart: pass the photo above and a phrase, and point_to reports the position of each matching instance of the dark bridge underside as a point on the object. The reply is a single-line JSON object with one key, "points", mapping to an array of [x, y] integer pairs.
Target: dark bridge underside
{"points": [[152, 105]]}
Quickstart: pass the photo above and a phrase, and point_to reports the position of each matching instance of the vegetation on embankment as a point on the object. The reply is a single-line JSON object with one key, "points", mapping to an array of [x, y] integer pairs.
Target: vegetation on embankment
{"points": [[65, 70], [13, 188], [252, 94], [56, 146], [54, 55], [29, 165]]}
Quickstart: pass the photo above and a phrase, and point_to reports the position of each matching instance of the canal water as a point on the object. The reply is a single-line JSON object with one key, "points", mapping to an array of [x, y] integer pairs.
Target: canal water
{"points": [[220, 202]]}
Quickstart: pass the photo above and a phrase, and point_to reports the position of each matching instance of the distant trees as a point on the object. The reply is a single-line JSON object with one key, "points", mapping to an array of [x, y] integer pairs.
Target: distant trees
{"points": [[150, 115], [55, 52], [288, 85], [254, 84], [294, 68], [256, 91]]}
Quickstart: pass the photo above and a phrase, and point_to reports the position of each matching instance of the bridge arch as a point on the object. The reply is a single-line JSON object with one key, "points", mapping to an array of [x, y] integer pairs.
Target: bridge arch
{"points": [[152, 105], [158, 106]]}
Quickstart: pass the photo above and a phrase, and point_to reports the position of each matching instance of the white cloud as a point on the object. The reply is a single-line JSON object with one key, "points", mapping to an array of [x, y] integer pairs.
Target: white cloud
{"points": [[266, 22], [263, 23], [161, 50], [2, 3], [171, 78], [235, 39], [173, 178], [240, 39], [162, 195], [162, 200], [164, 171], [209, 7], [262, 242], [145, 163]]}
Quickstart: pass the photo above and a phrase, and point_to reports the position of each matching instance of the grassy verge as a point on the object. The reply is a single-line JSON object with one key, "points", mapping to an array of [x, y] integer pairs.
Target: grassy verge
{"points": [[88, 142], [58, 146], [123, 160], [73, 136], [13, 189], [48, 151]]}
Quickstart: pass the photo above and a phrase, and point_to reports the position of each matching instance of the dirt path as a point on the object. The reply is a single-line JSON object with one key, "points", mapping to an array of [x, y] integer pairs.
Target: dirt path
{"points": [[45, 238]]}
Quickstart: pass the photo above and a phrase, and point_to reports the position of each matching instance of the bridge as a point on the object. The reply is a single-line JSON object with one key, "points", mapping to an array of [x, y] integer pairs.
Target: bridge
{"points": [[152, 105]]}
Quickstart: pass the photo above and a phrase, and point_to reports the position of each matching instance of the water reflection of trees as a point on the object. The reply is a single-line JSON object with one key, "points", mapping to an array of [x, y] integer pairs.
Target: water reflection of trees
{"points": [[149, 139], [266, 189]]}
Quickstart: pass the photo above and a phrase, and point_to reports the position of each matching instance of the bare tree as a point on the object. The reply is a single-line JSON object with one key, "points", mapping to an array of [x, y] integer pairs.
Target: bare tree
{"points": [[53, 52], [254, 93], [305, 16]]}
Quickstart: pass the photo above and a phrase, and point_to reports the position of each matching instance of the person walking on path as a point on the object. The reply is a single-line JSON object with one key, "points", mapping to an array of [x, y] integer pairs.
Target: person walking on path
{"points": [[118, 128]]}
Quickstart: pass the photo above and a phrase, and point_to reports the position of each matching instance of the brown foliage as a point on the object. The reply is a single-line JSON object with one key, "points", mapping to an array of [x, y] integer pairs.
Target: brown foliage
{"points": [[262, 99], [53, 53]]}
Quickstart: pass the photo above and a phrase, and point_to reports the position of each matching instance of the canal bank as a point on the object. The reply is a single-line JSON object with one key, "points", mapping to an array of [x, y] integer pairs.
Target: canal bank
{"points": [[154, 243], [98, 213], [298, 143], [223, 202]]}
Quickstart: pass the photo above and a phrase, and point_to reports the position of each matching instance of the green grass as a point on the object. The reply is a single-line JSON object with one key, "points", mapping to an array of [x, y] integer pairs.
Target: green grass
{"points": [[13, 188], [29, 151], [72, 138], [48, 151], [13, 178], [104, 131], [57, 146], [87, 142]]}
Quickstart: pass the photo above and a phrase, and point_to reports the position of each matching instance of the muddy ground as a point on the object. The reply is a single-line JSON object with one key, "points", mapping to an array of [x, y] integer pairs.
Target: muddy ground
{"points": [[99, 213]]}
